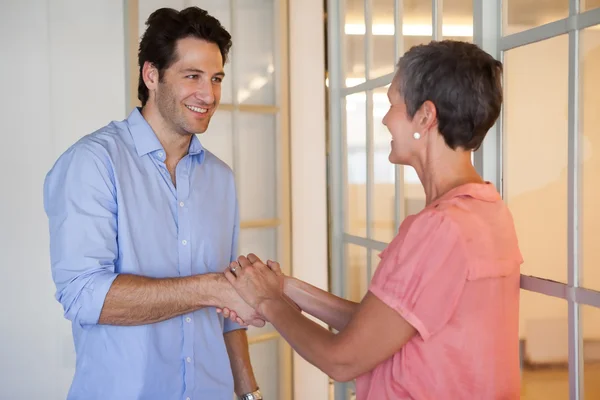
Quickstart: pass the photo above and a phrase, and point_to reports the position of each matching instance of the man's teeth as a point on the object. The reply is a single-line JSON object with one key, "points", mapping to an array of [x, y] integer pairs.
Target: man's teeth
{"points": [[197, 109]]}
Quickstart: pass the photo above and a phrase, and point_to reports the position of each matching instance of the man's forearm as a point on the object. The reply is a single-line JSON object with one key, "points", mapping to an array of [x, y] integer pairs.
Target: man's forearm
{"points": [[323, 305], [138, 300], [239, 358]]}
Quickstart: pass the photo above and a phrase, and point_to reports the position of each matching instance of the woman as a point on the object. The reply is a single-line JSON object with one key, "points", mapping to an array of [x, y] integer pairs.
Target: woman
{"points": [[440, 318]]}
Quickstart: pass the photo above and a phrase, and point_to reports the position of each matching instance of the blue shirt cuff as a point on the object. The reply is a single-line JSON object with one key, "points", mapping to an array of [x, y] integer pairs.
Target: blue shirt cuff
{"points": [[229, 326], [97, 288]]}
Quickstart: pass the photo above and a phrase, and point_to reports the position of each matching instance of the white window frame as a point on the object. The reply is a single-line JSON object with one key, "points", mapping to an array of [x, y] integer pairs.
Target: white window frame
{"points": [[487, 31]]}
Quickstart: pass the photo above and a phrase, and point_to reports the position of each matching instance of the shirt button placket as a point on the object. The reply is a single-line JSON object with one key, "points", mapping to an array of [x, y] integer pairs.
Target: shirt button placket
{"points": [[185, 249]]}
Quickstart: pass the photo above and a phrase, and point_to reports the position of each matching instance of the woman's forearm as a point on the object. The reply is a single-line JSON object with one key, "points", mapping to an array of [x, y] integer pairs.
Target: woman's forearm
{"points": [[323, 305]]}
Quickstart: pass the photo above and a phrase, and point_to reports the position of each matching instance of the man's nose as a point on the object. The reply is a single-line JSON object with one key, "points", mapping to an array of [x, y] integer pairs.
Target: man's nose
{"points": [[205, 93]]}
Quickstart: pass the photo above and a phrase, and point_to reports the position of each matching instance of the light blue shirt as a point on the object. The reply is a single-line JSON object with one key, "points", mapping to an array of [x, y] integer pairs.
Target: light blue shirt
{"points": [[112, 209]]}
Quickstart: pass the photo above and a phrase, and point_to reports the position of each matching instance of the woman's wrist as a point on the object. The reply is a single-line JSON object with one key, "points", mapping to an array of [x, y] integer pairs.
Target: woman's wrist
{"points": [[268, 308], [292, 287]]}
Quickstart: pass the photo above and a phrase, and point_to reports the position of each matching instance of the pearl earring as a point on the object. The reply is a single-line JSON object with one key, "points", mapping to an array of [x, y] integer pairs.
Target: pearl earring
{"points": [[417, 135]]}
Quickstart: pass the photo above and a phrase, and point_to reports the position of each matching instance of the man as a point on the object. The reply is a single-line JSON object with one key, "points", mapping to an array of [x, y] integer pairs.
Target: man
{"points": [[143, 220]]}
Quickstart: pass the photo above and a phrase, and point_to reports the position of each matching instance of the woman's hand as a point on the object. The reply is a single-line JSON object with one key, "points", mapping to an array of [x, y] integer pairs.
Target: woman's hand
{"points": [[255, 282], [276, 268]]}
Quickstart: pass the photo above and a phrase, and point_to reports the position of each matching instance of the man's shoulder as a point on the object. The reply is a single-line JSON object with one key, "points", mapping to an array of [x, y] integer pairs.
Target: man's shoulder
{"points": [[103, 142], [109, 138], [211, 160], [99, 146]]}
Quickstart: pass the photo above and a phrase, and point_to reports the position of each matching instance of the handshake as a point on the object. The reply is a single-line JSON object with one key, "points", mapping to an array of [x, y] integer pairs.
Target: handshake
{"points": [[254, 285]]}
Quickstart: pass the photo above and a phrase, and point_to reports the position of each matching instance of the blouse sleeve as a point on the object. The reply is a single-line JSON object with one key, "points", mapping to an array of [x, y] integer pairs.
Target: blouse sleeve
{"points": [[422, 276]]}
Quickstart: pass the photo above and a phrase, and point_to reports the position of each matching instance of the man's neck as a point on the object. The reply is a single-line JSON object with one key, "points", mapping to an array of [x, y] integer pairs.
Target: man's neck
{"points": [[176, 145]]}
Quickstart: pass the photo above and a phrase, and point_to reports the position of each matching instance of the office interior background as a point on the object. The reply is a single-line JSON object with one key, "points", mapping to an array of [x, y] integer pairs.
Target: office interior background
{"points": [[300, 124]]}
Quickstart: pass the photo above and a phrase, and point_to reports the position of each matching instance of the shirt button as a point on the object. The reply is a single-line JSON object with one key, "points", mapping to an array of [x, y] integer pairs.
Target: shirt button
{"points": [[160, 154], [188, 359], [184, 242], [187, 398], [181, 204], [188, 319]]}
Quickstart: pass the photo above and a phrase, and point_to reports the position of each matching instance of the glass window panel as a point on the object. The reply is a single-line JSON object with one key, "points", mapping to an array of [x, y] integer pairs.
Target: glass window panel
{"points": [[587, 5], [356, 165], [590, 130], [256, 166], [354, 42], [383, 200], [253, 331], [356, 272], [544, 332], [260, 241], [590, 318], [535, 153], [416, 23], [220, 10], [218, 138], [254, 63], [457, 20], [265, 364], [522, 15], [382, 40]]}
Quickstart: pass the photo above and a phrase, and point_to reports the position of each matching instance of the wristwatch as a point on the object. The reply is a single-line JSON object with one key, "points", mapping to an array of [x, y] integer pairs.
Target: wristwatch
{"points": [[256, 395]]}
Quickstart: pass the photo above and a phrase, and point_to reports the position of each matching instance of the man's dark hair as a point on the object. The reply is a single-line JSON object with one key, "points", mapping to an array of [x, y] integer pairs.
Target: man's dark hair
{"points": [[165, 27], [461, 80]]}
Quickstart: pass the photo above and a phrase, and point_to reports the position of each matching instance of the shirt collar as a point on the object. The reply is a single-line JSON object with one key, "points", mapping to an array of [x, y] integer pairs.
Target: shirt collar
{"points": [[145, 139], [480, 191], [196, 147]]}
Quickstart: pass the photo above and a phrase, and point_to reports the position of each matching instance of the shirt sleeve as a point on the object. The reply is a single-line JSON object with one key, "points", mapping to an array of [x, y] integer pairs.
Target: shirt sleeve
{"points": [[229, 325], [79, 200], [423, 276]]}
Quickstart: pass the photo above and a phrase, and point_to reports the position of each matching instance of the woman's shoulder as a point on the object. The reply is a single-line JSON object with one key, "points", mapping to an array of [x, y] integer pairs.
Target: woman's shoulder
{"points": [[483, 232]]}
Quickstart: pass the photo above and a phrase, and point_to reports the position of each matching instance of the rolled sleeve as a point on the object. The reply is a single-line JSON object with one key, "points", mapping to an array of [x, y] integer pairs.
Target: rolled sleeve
{"points": [[423, 275], [80, 202], [83, 298]]}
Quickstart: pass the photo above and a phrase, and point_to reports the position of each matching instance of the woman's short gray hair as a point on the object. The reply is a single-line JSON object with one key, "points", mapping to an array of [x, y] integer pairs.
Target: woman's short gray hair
{"points": [[461, 80]]}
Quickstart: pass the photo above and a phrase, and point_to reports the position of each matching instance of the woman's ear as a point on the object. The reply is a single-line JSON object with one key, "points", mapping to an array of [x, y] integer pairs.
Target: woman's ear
{"points": [[427, 116]]}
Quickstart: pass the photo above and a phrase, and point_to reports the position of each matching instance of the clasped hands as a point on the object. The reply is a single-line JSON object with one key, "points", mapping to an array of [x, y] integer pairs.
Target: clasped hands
{"points": [[257, 284]]}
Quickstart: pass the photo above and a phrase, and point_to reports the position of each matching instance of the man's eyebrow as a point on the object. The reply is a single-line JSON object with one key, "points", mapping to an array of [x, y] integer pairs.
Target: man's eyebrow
{"points": [[199, 71]]}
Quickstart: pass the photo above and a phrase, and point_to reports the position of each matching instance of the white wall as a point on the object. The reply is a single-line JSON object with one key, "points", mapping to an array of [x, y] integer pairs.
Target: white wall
{"points": [[309, 187], [62, 76]]}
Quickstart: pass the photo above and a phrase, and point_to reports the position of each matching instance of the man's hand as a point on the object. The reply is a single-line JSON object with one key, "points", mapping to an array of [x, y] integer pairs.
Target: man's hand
{"points": [[255, 282], [246, 315]]}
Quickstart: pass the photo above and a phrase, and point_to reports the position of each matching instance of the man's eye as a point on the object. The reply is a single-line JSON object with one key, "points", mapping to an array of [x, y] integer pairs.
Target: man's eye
{"points": [[192, 76], [217, 79]]}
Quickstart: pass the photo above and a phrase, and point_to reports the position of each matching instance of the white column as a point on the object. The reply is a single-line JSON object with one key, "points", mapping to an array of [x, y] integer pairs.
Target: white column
{"points": [[308, 167]]}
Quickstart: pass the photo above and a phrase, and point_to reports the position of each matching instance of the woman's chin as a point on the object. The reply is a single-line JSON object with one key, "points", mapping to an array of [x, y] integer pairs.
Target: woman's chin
{"points": [[397, 159]]}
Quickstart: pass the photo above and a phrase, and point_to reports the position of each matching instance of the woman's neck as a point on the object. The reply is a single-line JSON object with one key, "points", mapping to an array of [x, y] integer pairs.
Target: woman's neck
{"points": [[439, 173]]}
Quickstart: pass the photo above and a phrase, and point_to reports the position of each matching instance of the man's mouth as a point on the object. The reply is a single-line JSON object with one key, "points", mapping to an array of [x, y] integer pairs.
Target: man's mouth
{"points": [[198, 109]]}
